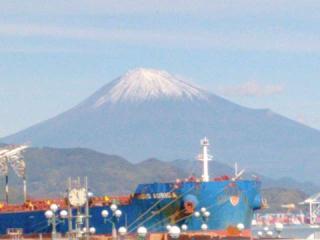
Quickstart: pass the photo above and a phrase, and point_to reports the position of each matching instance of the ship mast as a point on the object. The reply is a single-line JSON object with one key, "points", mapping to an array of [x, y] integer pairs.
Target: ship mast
{"points": [[205, 158]]}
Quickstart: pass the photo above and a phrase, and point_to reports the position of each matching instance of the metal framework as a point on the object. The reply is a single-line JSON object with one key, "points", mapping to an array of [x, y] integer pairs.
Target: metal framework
{"points": [[313, 203], [82, 216], [12, 155]]}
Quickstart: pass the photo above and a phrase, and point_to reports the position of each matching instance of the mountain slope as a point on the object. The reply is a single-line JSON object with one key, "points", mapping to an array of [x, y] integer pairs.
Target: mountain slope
{"points": [[150, 113]]}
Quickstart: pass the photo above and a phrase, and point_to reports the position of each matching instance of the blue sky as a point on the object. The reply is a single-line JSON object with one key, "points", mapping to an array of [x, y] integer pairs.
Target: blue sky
{"points": [[261, 54]]}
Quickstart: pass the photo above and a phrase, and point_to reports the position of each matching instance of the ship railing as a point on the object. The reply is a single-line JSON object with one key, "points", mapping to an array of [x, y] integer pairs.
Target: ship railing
{"points": [[44, 204], [106, 200]]}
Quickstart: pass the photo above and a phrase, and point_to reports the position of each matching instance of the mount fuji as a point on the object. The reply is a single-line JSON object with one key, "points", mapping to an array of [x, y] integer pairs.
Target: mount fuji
{"points": [[150, 113]]}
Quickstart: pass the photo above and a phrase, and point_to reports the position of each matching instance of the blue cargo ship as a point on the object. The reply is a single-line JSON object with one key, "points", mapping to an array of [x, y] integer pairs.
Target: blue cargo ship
{"points": [[220, 207]]}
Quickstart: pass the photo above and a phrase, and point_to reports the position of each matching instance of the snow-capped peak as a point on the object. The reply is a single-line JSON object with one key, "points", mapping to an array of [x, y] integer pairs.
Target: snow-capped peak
{"points": [[141, 84]]}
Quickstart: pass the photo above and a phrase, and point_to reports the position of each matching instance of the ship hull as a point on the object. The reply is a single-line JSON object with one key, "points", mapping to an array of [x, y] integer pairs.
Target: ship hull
{"points": [[157, 205]]}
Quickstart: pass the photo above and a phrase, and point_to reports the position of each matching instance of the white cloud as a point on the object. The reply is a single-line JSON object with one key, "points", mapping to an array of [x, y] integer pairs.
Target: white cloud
{"points": [[217, 8], [38, 49], [248, 41], [252, 89]]}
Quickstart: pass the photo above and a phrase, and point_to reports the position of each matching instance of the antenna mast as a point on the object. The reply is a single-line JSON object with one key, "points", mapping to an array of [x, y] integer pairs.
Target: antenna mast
{"points": [[205, 158]]}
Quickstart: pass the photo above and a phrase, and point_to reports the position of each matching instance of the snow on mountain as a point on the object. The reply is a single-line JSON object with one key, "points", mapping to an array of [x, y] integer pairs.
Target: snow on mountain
{"points": [[141, 84]]}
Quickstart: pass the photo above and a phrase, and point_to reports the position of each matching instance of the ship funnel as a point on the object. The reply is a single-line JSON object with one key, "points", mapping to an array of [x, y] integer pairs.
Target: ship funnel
{"points": [[205, 158]]}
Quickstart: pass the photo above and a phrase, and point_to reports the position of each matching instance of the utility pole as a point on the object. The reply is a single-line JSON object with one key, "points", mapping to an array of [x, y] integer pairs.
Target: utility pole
{"points": [[24, 179], [87, 216], [70, 229], [7, 188]]}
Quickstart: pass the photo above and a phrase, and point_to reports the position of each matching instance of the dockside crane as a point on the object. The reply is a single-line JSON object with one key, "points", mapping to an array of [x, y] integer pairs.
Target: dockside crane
{"points": [[12, 155]]}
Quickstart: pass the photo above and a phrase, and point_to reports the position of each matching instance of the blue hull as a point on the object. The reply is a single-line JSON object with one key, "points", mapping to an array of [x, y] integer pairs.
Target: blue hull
{"points": [[157, 205]]}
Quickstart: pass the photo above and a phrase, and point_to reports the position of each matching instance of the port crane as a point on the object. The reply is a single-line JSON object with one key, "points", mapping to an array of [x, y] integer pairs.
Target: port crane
{"points": [[313, 204], [12, 156]]}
